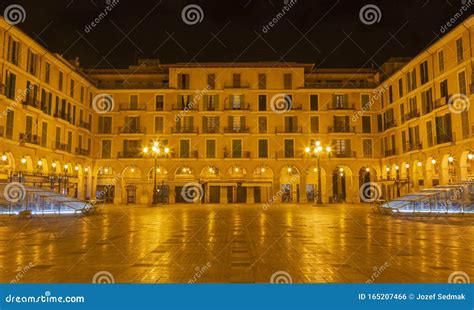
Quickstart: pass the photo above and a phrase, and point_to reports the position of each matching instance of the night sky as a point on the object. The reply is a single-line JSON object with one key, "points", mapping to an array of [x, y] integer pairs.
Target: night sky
{"points": [[327, 33]]}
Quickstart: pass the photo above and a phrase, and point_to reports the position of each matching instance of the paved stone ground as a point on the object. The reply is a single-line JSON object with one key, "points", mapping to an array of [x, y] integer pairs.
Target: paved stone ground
{"points": [[236, 243]]}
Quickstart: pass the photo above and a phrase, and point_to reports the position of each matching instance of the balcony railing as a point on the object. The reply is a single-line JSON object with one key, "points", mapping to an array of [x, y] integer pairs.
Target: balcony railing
{"points": [[341, 129], [57, 145], [31, 102], [441, 102], [30, 138], [129, 154], [61, 115], [340, 84], [237, 129], [191, 154], [134, 85], [390, 124], [236, 86], [185, 107], [293, 129], [82, 152], [84, 125], [410, 115], [245, 154], [345, 106], [132, 130], [413, 147], [390, 152], [210, 130], [346, 154], [241, 107], [285, 154], [132, 107], [210, 108], [445, 138], [184, 130]]}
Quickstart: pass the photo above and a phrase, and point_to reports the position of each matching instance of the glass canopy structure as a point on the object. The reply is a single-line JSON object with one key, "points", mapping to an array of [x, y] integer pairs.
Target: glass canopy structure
{"points": [[439, 200], [15, 198]]}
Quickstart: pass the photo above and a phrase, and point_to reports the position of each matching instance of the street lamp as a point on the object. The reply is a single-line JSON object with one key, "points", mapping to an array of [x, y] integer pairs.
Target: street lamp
{"points": [[316, 152], [156, 151]]}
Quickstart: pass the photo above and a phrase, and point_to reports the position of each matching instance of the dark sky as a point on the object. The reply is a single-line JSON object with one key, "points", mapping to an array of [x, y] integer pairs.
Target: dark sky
{"points": [[326, 32]]}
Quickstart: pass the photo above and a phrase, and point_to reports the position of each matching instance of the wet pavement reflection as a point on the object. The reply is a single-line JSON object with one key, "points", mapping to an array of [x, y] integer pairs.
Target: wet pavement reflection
{"points": [[236, 244]]}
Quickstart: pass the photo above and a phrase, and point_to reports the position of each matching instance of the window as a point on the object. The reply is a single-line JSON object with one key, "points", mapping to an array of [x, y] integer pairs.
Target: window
{"points": [[291, 124], [211, 102], [262, 124], [236, 83], [13, 51], [262, 148], [340, 101], [429, 133], [236, 101], [443, 129], [462, 82], [185, 124], [210, 148], [289, 148], [159, 102], [133, 102], [441, 61], [236, 148], [390, 94], [184, 148], [10, 85], [69, 141], [424, 72], [287, 81], [367, 148], [411, 80], [183, 81], [211, 81], [379, 123], [443, 87], [314, 124], [459, 50], [262, 81], [210, 124], [9, 124], [44, 134], [342, 147], [158, 124], [71, 90], [314, 102], [427, 101], [341, 124], [365, 101], [366, 126], [32, 63], [237, 123], [131, 148], [58, 137], [262, 102], [60, 81], [105, 124], [400, 88], [82, 94], [47, 73], [29, 128]]}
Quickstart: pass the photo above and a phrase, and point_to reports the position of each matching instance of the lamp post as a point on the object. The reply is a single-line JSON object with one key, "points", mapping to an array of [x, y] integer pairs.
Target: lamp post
{"points": [[155, 151], [316, 152], [407, 166]]}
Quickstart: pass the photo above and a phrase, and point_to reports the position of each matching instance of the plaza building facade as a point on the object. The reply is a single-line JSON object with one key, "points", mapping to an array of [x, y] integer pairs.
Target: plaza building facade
{"points": [[237, 132]]}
